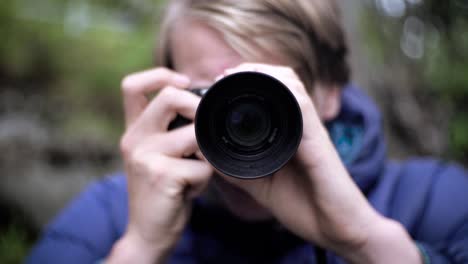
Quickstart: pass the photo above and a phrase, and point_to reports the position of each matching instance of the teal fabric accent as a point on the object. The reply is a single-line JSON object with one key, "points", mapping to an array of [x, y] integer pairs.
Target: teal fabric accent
{"points": [[347, 139], [423, 252]]}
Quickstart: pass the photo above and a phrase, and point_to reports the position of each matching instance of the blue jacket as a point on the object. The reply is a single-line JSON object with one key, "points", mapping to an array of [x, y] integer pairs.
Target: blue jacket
{"points": [[429, 197]]}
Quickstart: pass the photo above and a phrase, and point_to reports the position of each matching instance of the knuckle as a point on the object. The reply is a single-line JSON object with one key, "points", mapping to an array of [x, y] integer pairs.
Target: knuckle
{"points": [[290, 72], [169, 91], [165, 99], [164, 76], [158, 169], [126, 146], [162, 71], [143, 166], [167, 95], [136, 159], [128, 84]]}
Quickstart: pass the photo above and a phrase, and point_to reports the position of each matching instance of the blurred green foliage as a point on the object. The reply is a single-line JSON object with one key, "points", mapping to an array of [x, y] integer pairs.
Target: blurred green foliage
{"points": [[71, 55], [447, 73], [14, 244], [429, 39], [74, 54]]}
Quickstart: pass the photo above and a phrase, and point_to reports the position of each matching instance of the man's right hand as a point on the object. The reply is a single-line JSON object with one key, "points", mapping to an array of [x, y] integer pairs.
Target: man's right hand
{"points": [[161, 183]]}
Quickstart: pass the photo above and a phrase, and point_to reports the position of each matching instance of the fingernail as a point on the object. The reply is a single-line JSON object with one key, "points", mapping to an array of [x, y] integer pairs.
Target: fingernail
{"points": [[181, 80]]}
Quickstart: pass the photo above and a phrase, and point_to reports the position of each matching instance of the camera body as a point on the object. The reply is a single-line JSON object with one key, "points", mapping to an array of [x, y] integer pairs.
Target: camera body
{"points": [[248, 125]]}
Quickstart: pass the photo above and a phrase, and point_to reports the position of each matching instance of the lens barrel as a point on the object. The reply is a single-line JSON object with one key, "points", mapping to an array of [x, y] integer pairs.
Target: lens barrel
{"points": [[248, 125]]}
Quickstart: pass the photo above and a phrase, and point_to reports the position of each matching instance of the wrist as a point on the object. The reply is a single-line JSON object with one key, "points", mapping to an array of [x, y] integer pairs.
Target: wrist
{"points": [[386, 242], [131, 249]]}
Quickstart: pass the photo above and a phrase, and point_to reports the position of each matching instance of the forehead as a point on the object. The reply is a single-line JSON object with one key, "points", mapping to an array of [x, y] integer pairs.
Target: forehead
{"points": [[200, 52]]}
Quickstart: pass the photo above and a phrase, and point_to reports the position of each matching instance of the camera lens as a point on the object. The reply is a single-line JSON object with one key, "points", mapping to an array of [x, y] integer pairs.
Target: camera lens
{"points": [[248, 125]]}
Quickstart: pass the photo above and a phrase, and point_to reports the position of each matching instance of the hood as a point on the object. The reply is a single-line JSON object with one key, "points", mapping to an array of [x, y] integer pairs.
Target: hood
{"points": [[357, 133]]}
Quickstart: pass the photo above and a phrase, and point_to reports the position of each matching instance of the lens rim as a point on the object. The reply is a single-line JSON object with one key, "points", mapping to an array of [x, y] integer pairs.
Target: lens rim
{"points": [[285, 136]]}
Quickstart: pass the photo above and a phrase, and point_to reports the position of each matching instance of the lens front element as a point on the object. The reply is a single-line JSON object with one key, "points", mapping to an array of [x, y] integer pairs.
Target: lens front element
{"points": [[248, 122]]}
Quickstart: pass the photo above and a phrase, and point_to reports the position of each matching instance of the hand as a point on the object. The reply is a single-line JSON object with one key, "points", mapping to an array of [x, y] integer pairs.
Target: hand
{"points": [[161, 182], [313, 195]]}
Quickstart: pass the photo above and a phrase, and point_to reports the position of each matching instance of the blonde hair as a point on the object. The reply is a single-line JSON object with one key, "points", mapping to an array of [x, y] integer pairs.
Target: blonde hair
{"points": [[306, 34]]}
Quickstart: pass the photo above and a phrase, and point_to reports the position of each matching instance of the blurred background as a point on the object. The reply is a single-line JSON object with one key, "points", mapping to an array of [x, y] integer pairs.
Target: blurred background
{"points": [[61, 62]]}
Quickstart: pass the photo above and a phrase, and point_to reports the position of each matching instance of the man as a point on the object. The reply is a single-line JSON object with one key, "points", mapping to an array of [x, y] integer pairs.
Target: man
{"points": [[338, 193]]}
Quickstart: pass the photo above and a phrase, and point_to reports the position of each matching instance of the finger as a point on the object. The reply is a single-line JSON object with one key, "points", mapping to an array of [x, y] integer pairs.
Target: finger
{"points": [[193, 174], [266, 68], [283, 74], [136, 86], [180, 142], [199, 156], [164, 108], [242, 67]]}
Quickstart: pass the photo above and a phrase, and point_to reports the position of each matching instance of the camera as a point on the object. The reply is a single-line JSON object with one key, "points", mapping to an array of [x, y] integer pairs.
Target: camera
{"points": [[248, 125]]}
